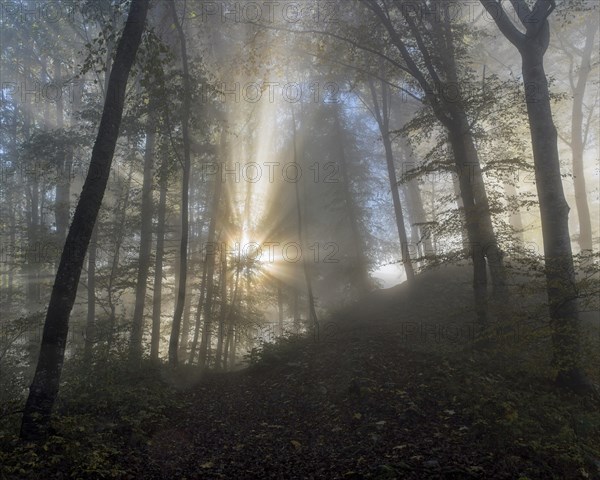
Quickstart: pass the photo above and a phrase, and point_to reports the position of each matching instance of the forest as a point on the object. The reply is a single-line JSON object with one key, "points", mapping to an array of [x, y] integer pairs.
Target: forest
{"points": [[303, 239]]}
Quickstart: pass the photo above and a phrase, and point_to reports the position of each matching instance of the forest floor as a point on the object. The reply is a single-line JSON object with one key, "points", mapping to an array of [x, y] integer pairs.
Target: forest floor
{"points": [[381, 394]]}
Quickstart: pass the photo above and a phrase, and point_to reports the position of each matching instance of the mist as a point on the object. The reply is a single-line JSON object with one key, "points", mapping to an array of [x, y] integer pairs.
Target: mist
{"points": [[299, 239]]}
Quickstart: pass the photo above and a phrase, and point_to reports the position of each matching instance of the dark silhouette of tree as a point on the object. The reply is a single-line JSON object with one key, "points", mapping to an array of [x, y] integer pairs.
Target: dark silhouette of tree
{"points": [[532, 45], [44, 388]]}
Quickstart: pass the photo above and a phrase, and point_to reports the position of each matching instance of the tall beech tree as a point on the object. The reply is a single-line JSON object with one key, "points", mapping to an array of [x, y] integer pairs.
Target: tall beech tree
{"points": [[433, 73], [183, 249], [382, 115], [312, 311], [579, 74], [532, 44], [45, 384], [145, 241]]}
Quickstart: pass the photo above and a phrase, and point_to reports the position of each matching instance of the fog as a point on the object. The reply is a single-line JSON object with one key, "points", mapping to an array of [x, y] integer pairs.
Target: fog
{"points": [[252, 213]]}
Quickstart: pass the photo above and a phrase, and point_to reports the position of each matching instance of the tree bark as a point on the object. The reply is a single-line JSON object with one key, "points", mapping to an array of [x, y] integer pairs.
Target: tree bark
{"points": [[453, 117], [361, 277], [44, 388], [211, 251], [183, 250], [515, 219], [382, 117], [158, 265], [198, 319], [120, 218], [135, 348], [578, 141], [280, 306], [90, 328], [222, 310], [312, 312], [63, 186], [554, 211]]}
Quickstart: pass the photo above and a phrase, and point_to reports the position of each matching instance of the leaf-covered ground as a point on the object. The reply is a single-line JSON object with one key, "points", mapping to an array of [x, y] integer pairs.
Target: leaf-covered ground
{"points": [[361, 402]]}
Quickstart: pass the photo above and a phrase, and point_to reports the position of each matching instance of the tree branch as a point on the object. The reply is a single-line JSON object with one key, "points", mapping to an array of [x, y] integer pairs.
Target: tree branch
{"points": [[538, 23], [504, 24], [338, 37]]}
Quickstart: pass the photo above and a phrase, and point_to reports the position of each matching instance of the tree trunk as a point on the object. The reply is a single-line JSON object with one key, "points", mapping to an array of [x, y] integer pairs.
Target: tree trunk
{"points": [[137, 330], [120, 219], [183, 251], [158, 267], [296, 310], [312, 312], [33, 219], [361, 277], [453, 116], [198, 318], [44, 388], [211, 251], [554, 212], [90, 328], [185, 326], [420, 218], [515, 219], [472, 220], [222, 310], [382, 117], [230, 321], [63, 186], [578, 141], [280, 306]]}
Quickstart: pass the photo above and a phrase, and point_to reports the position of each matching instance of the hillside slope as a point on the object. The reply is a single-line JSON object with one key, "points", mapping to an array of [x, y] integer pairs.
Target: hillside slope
{"points": [[369, 399]]}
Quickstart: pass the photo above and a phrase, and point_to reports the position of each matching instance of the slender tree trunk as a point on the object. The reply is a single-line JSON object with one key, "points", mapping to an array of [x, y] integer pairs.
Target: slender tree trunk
{"points": [[469, 166], [578, 141], [183, 251], [361, 278], [90, 329], [296, 310], [475, 241], [417, 210], [11, 265], [280, 306], [120, 221], [228, 346], [232, 351], [452, 115], [554, 211], [211, 251], [135, 348], [230, 320], [63, 186], [12, 213], [515, 219], [312, 312], [198, 319], [44, 388], [187, 311], [222, 311], [382, 117], [185, 326], [158, 267], [33, 220], [413, 192]]}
